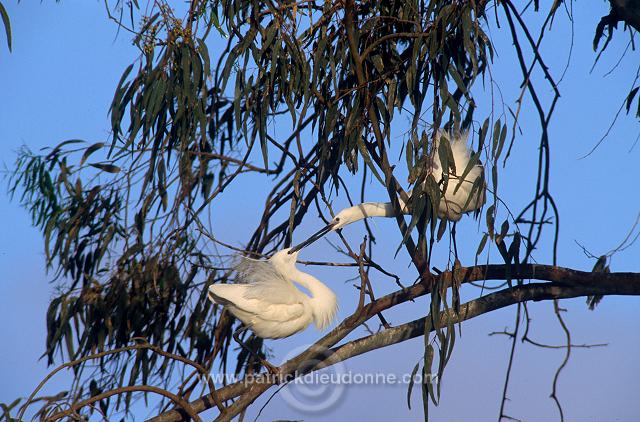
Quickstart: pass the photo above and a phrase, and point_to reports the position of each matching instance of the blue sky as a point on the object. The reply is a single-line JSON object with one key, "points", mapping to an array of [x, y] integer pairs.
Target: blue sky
{"points": [[58, 84]]}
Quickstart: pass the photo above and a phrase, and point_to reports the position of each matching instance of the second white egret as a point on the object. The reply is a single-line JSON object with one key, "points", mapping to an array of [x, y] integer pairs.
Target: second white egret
{"points": [[458, 198]]}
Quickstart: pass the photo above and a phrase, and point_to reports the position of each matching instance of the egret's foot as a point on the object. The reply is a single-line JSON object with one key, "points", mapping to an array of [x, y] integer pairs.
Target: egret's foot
{"points": [[272, 369]]}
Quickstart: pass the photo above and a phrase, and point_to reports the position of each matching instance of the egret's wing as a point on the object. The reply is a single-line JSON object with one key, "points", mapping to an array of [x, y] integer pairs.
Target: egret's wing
{"points": [[249, 271], [461, 191], [264, 282], [235, 296], [459, 196], [281, 312]]}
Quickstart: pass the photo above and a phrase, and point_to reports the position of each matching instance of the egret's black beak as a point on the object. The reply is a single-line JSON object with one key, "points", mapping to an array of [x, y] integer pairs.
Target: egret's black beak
{"points": [[326, 229]]}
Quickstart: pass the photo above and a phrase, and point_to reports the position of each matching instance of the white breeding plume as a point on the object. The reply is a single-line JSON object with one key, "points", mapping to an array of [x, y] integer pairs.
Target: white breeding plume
{"points": [[459, 197], [267, 302]]}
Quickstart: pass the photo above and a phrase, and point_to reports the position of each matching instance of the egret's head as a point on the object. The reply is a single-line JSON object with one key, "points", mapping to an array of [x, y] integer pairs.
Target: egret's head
{"points": [[284, 257], [346, 217], [343, 218]]}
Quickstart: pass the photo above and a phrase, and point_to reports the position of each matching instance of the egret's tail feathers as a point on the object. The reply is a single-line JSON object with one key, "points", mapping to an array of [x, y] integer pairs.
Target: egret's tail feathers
{"points": [[224, 294]]}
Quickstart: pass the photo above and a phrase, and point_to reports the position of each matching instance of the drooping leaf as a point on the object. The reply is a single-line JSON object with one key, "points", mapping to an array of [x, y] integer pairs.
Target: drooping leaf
{"points": [[411, 382], [93, 148], [109, 168], [7, 24]]}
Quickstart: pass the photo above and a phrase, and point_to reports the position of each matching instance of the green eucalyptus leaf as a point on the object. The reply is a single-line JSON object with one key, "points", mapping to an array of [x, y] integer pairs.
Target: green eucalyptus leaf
{"points": [[411, 382], [90, 150], [109, 168], [7, 24]]}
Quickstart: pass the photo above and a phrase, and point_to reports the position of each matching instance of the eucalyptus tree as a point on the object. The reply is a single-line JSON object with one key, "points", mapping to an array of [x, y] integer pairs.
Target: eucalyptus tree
{"points": [[125, 223]]}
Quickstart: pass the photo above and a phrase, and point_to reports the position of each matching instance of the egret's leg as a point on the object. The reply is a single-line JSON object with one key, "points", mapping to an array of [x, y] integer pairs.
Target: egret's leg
{"points": [[236, 336], [453, 235]]}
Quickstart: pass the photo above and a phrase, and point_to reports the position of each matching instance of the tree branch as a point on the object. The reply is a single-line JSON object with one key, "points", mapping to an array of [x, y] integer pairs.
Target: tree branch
{"points": [[477, 307], [565, 283], [72, 411]]}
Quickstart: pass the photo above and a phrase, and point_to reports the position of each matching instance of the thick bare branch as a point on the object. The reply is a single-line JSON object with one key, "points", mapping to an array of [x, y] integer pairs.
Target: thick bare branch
{"points": [[566, 283], [477, 307]]}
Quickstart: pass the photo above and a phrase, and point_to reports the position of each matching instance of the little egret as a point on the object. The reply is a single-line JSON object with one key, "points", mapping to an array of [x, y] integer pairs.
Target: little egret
{"points": [[457, 199], [267, 302]]}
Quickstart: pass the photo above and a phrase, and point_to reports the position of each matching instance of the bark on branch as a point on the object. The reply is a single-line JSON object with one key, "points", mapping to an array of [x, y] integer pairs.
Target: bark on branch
{"points": [[565, 283], [472, 309]]}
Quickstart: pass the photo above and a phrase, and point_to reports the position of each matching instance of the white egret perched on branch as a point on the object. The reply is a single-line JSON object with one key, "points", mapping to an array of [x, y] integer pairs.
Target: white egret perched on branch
{"points": [[458, 198], [268, 303]]}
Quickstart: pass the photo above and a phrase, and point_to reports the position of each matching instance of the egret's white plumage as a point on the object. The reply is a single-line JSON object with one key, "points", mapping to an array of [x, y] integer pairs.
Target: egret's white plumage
{"points": [[458, 198], [266, 300]]}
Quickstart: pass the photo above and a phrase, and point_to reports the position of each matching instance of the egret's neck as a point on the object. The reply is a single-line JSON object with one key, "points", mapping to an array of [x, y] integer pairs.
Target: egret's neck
{"points": [[377, 209], [323, 301]]}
